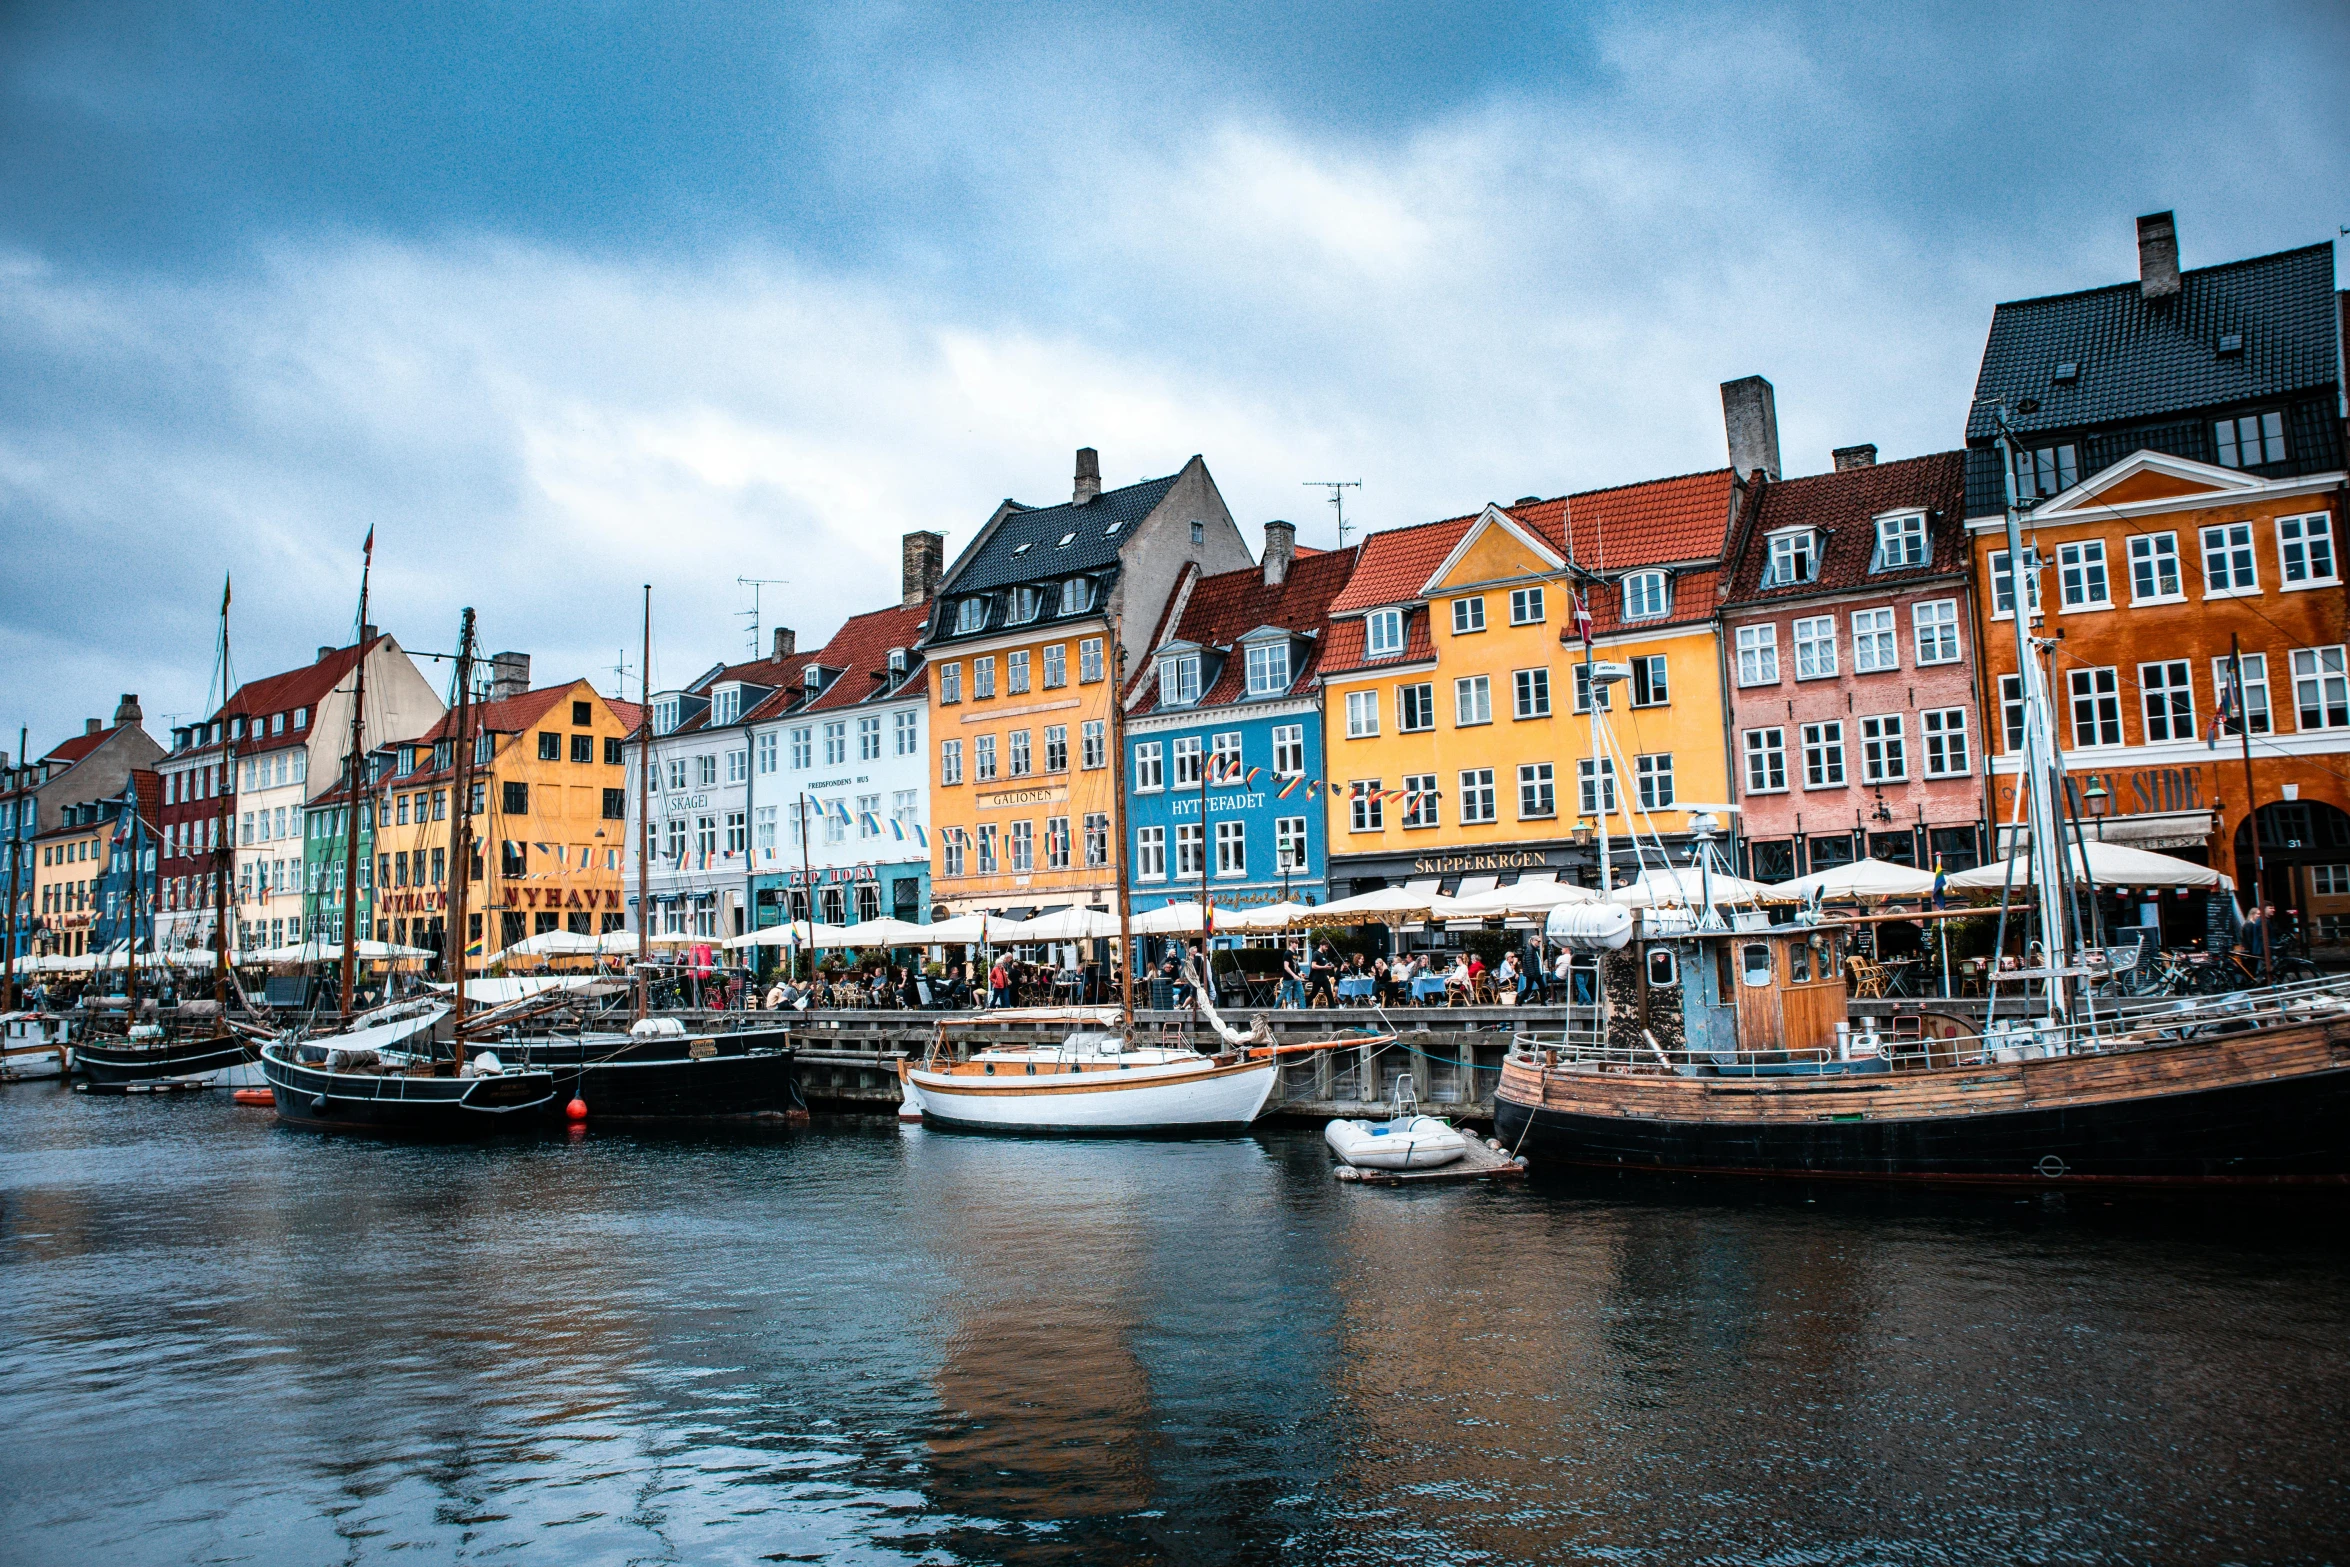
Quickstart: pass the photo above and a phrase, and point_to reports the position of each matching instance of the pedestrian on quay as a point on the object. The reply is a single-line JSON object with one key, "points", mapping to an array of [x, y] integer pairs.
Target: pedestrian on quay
{"points": [[2252, 934], [999, 985], [1293, 977], [1322, 976]]}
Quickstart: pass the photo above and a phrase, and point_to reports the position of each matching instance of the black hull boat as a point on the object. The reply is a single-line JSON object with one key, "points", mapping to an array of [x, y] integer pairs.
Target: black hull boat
{"points": [[110, 1061], [666, 1077], [369, 1081]]}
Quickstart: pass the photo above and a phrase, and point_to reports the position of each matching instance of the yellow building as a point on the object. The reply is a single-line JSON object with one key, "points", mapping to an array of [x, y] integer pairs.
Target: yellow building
{"points": [[550, 809], [1456, 710], [68, 863]]}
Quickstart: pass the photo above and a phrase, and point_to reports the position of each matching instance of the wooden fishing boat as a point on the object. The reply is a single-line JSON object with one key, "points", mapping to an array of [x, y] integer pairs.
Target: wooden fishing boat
{"points": [[386, 1079], [661, 1073], [144, 1058], [1093, 1082], [35, 1045]]}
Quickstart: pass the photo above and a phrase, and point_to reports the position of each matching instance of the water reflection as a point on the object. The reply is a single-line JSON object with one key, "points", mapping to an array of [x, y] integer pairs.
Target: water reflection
{"points": [[863, 1342]]}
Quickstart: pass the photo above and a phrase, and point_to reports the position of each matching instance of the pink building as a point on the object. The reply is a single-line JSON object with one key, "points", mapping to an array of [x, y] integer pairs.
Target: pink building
{"points": [[1848, 641]]}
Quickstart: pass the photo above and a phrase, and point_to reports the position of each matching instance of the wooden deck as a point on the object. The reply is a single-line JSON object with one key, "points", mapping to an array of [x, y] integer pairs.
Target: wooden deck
{"points": [[1481, 1163]]}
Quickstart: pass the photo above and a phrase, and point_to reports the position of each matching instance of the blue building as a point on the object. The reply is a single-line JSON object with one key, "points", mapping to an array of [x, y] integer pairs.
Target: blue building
{"points": [[1223, 760]]}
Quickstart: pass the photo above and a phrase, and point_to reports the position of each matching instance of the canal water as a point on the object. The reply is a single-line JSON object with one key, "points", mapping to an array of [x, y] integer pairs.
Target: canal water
{"points": [[860, 1343]]}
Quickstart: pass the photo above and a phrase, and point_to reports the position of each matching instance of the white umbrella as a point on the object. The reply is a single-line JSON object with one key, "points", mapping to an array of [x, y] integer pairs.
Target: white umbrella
{"points": [[796, 933], [2108, 864], [1861, 879], [969, 930], [1071, 924], [1686, 886], [1270, 917], [555, 944], [1526, 900], [1389, 906], [1176, 919]]}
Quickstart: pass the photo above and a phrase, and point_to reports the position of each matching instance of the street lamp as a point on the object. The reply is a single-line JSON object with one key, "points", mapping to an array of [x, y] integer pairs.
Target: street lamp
{"points": [[2096, 800]]}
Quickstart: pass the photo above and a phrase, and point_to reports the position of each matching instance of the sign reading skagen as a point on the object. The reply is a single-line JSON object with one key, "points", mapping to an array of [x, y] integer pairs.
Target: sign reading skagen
{"points": [[1502, 860], [1050, 795]]}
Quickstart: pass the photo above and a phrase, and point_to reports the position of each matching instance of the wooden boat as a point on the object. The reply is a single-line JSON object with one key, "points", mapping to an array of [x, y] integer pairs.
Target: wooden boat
{"points": [[33, 1046], [1094, 1082], [658, 1072], [386, 1079], [146, 1056]]}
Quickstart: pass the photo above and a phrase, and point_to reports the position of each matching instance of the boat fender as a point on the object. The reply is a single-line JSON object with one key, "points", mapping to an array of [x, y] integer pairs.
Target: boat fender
{"points": [[1347, 1172], [576, 1110], [318, 1104]]}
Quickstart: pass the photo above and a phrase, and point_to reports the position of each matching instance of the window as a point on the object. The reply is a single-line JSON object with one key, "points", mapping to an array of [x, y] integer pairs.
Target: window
{"points": [[1150, 854], [1199, 531], [1477, 802], [1815, 647], [905, 807], [2254, 704], [2011, 712], [1076, 595], [1383, 633], [763, 827], [1150, 768], [1187, 760], [1530, 692], [2080, 575], [1468, 615], [1793, 558], [2321, 690], [869, 739], [2167, 694], [2330, 881], [706, 771], [726, 705], [1650, 688], [2251, 441], [1056, 843], [987, 843], [1537, 791], [1179, 680], [1526, 607], [2305, 549], [1766, 761], [1884, 750], [1652, 778], [1607, 700], [982, 678], [1056, 666], [1596, 786], [1415, 707], [1190, 849], [1934, 626], [1758, 655], [2097, 707], [1362, 714], [583, 749], [738, 766], [1056, 748], [2044, 472], [1823, 755], [983, 758], [2003, 583], [1645, 596], [1093, 744], [1016, 758], [770, 751], [1023, 844], [1289, 843], [1097, 839], [950, 683], [1026, 605], [908, 729], [1231, 848], [1089, 660], [1016, 672], [836, 742], [737, 833], [971, 614], [2227, 560], [1268, 668], [803, 749], [2154, 567], [1901, 541], [1362, 802], [1472, 700], [550, 748], [706, 834], [514, 798], [1946, 743], [1419, 800], [950, 761], [1289, 750], [673, 833], [1874, 644]]}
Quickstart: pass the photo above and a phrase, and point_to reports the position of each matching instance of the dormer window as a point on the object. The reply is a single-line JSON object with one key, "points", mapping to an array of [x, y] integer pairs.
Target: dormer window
{"points": [[2250, 441], [277, 723], [1179, 680], [2067, 372], [2045, 472], [1794, 557], [726, 705], [1019, 550], [1901, 541], [1268, 668], [444, 754], [1646, 596], [485, 746], [236, 729], [971, 614], [407, 762], [1076, 595], [665, 710], [301, 718], [1027, 604], [1383, 633], [2231, 342]]}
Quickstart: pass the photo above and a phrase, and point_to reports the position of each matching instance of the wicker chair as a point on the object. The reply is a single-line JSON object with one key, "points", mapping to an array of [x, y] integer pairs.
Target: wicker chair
{"points": [[1868, 979]]}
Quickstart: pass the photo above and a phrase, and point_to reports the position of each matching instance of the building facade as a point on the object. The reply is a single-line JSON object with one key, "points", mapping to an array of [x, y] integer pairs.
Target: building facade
{"points": [[1848, 628], [1224, 735], [327, 864], [88, 769], [1032, 627], [2178, 452]]}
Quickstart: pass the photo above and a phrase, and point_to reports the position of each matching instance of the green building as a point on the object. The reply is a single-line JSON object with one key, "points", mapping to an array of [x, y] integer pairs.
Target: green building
{"points": [[324, 864]]}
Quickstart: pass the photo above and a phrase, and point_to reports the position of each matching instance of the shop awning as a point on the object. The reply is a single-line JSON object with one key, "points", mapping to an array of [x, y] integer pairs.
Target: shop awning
{"points": [[2143, 830]]}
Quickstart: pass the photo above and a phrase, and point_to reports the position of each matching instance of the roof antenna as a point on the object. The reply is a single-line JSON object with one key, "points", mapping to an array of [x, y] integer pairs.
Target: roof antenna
{"points": [[1337, 489], [752, 614]]}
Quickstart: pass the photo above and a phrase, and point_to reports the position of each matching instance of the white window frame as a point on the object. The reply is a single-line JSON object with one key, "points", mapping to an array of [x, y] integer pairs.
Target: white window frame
{"points": [[1538, 791], [2301, 539], [1289, 750], [2323, 670], [1289, 844], [1362, 714], [1876, 641], [1268, 668], [1526, 606], [1595, 786], [2011, 714], [1189, 755], [1383, 633], [2003, 584], [1765, 751], [1943, 734], [1899, 537], [2260, 715], [1823, 755], [1150, 854], [2152, 556], [2083, 583], [2093, 694], [1648, 595], [1884, 749], [1191, 850], [2231, 544], [1478, 802], [1468, 615], [1472, 701], [1420, 694], [1792, 558], [1652, 778], [1231, 848], [1758, 655], [1093, 744], [1150, 767], [2166, 700], [1419, 801], [1363, 813], [1179, 680], [1933, 630], [1815, 645], [1530, 693]]}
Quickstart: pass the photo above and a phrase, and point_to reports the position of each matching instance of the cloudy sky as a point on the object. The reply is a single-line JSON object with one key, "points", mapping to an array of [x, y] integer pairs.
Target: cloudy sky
{"points": [[565, 299]]}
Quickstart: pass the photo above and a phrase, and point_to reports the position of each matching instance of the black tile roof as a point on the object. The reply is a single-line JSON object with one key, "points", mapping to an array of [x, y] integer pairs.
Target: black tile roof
{"points": [[1026, 546], [2137, 358]]}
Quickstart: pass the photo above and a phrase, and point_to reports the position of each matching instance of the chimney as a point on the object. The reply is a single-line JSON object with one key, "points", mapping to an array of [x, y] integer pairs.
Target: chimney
{"points": [[1089, 476], [1862, 456], [324, 654], [509, 675], [127, 711], [2158, 257], [1280, 550], [787, 642], [366, 635], [922, 557], [1751, 415], [91, 726]]}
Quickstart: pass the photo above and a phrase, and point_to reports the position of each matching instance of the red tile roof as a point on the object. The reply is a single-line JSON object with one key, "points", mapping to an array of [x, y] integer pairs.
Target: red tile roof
{"points": [[1659, 522], [296, 687], [511, 715], [1342, 645], [860, 651], [79, 746], [1844, 507], [1231, 604], [1396, 563]]}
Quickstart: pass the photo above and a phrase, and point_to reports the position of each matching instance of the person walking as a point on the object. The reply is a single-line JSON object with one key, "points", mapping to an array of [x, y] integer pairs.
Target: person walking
{"points": [[1322, 975]]}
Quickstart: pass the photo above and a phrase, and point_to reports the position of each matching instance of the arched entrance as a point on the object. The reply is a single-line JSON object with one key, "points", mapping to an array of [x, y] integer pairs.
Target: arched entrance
{"points": [[2305, 864]]}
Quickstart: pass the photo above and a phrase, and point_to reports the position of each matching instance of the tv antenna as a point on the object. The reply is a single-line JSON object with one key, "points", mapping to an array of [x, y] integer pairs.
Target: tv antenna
{"points": [[620, 676], [752, 614], [1337, 489]]}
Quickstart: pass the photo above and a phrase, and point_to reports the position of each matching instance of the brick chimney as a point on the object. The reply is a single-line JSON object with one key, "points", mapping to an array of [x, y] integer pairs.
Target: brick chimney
{"points": [[509, 675], [324, 653], [127, 711], [2158, 257], [1089, 476], [787, 642], [1862, 456], [923, 557], [1750, 413], [91, 726], [1280, 550]]}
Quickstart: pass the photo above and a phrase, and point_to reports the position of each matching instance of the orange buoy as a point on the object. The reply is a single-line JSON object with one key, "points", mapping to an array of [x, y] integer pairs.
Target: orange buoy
{"points": [[577, 1109], [254, 1096]]}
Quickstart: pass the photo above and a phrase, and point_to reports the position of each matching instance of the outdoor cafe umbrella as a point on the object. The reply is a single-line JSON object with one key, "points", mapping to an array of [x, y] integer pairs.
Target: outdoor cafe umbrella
{"points": [[797, 933], [1390, 906], [1869, 878], [2107, 864], [1526, 900], [1269, 917], [1074, 923], [1686, 886]]}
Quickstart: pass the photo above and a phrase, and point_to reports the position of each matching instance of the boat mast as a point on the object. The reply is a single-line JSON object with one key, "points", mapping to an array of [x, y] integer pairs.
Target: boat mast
{"points": [[15, 854], [2039, 761], [1118, 825], [351, 822], [224, 844], [644, 813], [2268, 934], [461, 837]]}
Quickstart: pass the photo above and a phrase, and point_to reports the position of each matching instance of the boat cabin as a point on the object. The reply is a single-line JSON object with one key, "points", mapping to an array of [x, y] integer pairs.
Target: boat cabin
{"points": [[1754, 993]]}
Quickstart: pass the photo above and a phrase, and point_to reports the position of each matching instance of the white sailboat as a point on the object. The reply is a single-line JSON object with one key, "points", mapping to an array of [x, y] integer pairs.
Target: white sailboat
{"points": [[1094, 1081]]}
